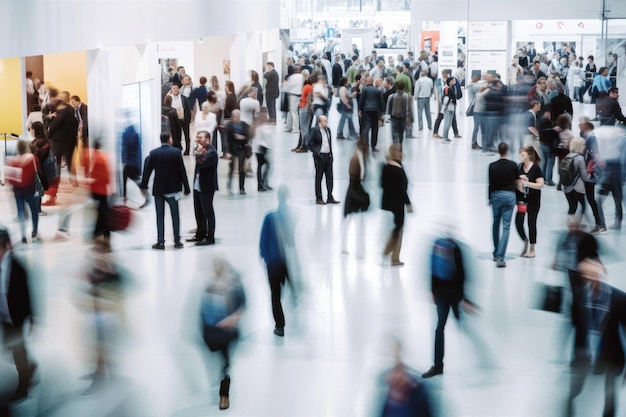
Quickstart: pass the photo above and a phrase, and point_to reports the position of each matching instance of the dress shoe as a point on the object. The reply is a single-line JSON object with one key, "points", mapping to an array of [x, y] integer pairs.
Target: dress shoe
{"points": [[159, 246], [457, 136], [434, 371], [205, 242], [331, 200], [267, 187], [320, 202], [178, 245], [340, 136], [43, 213], [302, 150], [558, 187], [261, 189], [192, 239], [476, 146], [279, 331]]}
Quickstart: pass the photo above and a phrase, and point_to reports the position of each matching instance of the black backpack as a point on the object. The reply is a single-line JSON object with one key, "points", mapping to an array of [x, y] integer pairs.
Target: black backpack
{"points": [[568, 172]]}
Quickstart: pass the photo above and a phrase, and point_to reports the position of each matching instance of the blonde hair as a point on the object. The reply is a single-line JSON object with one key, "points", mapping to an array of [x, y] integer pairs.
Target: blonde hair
{"points": [[577, 145]]}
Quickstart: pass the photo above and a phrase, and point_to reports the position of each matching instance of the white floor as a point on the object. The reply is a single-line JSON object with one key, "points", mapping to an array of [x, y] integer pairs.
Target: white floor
{"points": [[339, 334]]}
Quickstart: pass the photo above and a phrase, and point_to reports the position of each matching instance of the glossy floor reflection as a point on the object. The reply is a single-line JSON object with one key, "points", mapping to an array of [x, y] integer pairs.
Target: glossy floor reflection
{"points": [[338, 334]]}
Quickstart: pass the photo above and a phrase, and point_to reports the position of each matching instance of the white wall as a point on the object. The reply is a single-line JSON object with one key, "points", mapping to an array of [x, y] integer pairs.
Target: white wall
{"points": [[96, 24]]}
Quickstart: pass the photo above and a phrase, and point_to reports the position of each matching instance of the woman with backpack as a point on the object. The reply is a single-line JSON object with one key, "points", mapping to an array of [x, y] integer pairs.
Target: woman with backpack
{"points": [[573, 173]]}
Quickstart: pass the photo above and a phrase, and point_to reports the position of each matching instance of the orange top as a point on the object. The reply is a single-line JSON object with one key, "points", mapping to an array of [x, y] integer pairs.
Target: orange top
{"points": [[306, 91], [100, 173]]}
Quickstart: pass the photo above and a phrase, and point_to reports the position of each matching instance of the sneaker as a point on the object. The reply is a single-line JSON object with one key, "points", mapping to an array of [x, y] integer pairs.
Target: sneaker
{"points": [[434, 371], [446, 140], [158, 246], [599, 230], [501, 264], [476, 146], [436, 136], [279, 331]]}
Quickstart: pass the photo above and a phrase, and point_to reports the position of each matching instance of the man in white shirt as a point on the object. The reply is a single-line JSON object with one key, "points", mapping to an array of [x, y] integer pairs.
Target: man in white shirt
{"points": [[292, 87], [378, 71], [179, 103], [423, 91], [249, 106]]}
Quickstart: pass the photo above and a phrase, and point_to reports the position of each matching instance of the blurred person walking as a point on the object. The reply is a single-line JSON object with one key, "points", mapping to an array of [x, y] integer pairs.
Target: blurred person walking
{"points": [[223, 303], [394, 183], [573, 173], [603, 306], [503, 175], [594, 168], [237, 133], [27, 187], [448, 275], [15, 311], [100, 186], [170, 179], [277, 249], [529, 187], [131, 161], [357, 200], [262, 139]]}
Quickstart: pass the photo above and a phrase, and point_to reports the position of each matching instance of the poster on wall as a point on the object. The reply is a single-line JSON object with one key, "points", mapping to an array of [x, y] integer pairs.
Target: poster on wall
{"points": [[487, 36], [490, 62]]}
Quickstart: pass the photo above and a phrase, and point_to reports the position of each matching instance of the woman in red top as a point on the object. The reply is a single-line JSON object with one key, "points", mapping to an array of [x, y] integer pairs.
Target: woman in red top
{"points": [[305, 111], [24, 187], [100, 176]]}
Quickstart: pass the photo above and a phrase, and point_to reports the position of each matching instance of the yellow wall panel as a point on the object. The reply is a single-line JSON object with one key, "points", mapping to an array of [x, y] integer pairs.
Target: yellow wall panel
{"points": [[11, 103], [67, 72]]}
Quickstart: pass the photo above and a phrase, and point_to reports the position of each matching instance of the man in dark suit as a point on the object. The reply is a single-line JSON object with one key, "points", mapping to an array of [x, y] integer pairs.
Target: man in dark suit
{"points": [[237, 135], [320, 143], [603, 309], [560, 104], [371, 110], [169, 180], [337, 71], [80, 114], [173, 125], [204, 187], [15, 311], [272, 91]]}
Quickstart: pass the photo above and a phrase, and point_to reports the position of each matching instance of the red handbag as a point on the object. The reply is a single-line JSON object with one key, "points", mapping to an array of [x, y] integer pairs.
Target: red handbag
{"points": [[120, 218], [522, 207]]}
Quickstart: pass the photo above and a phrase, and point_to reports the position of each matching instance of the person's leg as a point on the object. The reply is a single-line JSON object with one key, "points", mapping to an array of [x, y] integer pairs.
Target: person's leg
{"points": [[159, 205], [374, 123], [271, 108], [260, 159], [443, 309], [241, 157], [14, 340], [591, 199], [420, 110], [402, 130], [124, 179], [100, 227], [201, 231], [305, 127], [618, 197], [289, 114], [437, 123], [187, 138], [173, 203], [571, 202], [208, 213], [294, 101], [447, 122], [533, 214], [19, 203], [507, 214], [231, 170], [328, 173], [276, 276], [610, 380], [455, 128], [580, 199], [351, 128], [366, 126], [398, 219], [319, 171], [395, 130], [519, 225], [476, 129], [496, 207], [429, 121], [342, 121]]}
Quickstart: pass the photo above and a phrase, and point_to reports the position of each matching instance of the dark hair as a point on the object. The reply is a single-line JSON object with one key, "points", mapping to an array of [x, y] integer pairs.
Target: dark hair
{"points": [[211, 97], [167, 100], [38, 129], [36, 107], [343, 81], [165, 137], [602, 69], [613, 90], [400, 85], [203, 80], [75, 98], [449, 80], [204, 133], [503, 148], [564, 121], [254, 76], [533, 104], [590, 57]]}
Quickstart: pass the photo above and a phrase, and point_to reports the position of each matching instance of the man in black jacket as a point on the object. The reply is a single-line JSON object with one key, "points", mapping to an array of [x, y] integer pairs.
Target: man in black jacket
{"points": [[204, 187], [320, 144], [271, 90], [62, 134], [611, 110], [560, 104], [169, 180], [237, 133], [15, 311], [371, 110]]}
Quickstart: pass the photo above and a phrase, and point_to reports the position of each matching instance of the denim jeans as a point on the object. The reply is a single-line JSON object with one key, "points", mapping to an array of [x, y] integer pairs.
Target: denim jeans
{"points": [[305, 126], [398, 127], [443, 309], [423, 106], [448, 116], [478, 125], [502, 204], [547, 162], [159, 203], [31, 200], [346, 115]]}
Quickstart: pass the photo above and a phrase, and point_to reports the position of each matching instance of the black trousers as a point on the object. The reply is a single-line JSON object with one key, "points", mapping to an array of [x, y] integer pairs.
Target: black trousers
{"points": [[598, 215], [370, 122], [271, 108], [102, 219], [240, 154], [14, 341], [277, 275], [533, 212], [204, 213], [185, 129], [323, 167], [132, 173], [63, 150], [262, 170]]}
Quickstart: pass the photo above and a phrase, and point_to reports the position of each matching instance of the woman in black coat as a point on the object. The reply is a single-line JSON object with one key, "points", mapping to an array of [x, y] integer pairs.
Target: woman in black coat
{"points": [[395, 183]]}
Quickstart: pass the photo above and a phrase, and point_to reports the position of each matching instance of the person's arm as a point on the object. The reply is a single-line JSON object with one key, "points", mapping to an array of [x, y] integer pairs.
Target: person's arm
{"points": [[147, 172], [183, 175]]}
